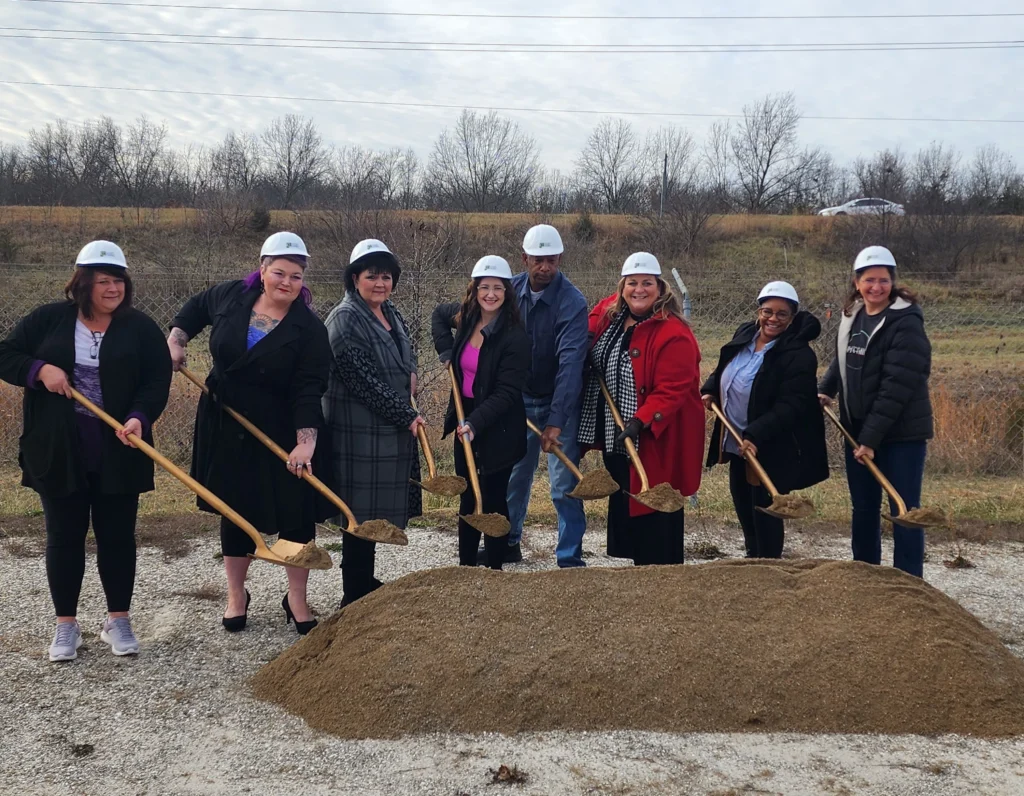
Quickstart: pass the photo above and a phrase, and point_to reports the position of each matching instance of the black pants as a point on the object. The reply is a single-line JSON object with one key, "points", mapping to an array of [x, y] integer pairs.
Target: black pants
{"points": [[763, 535], [494, 496], [655, 538], [358, 558], [113, 523], [236, 542]]}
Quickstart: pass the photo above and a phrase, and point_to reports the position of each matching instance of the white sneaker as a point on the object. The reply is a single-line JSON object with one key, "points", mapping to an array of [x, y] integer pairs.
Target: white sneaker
{"points": [[66, 642], [118, 634]]}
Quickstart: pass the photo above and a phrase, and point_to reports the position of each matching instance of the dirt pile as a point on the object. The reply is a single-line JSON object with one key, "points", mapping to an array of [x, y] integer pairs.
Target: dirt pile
{"points": [[595, 485], [807, 646]]}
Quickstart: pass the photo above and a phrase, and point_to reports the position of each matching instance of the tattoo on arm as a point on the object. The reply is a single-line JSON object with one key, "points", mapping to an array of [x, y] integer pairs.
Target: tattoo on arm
{"points": [[262, 322], [304, 435], [178, 336]]}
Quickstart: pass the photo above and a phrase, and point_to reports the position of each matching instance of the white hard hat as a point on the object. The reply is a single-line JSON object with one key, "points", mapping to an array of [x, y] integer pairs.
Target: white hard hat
{"points": [[282, 243], [101, 252], [368, 246], [641, 263], [492, 265], [872, 256], [542, 240], [782, 290]]}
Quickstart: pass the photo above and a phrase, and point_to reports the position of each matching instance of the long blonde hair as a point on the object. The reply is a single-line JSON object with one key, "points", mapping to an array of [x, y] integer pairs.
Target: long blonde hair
{"points": [[665, 305]]}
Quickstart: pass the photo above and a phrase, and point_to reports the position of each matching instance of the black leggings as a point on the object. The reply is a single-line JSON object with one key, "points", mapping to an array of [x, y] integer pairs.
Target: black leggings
{"points": [[494, 494], [763, 535], [113, 523], [234, 542]]}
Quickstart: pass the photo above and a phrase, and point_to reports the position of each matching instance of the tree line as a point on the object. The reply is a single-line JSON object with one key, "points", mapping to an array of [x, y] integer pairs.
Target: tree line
{"points": [[485, 162]]}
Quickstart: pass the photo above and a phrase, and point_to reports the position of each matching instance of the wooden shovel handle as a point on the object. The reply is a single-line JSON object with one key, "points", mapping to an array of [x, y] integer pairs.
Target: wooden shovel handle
{"points": [[748, 456], [559, 453], [421, 435], [890, 490], [467, 446], [630, 447], [278, 451], [223, 508]]}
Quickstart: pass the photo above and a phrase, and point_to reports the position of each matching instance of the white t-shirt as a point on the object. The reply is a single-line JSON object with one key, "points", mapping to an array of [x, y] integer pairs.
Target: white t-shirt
{"points": [[87, 346]]}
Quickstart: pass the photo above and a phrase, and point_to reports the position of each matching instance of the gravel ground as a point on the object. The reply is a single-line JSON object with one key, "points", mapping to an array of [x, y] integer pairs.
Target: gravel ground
{"points": [[178, 719]]}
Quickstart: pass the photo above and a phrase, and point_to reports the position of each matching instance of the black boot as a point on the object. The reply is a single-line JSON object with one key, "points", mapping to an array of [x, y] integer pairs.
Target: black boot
{"points": [[513, 554]]}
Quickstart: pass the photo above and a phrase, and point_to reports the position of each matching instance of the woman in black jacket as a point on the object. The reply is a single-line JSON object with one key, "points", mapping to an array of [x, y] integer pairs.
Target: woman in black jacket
{"points": [[765, 384], [270, 363], [115, 356], [490, 353], [883, 360]]}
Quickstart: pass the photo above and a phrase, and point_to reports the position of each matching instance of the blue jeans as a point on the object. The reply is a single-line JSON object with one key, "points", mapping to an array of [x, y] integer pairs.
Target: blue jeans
{"points": [[903, 464], [572, 523]]}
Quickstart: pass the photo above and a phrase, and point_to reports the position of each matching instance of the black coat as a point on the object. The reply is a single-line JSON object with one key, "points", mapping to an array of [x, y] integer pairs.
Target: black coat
{"points": [[894, 378], [135, 376], [277, 385], [499, 415], [784, 418]]}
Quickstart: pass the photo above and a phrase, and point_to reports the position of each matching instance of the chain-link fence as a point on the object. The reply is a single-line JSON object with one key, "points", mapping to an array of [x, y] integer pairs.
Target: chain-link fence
{"points": [[977, 337]]}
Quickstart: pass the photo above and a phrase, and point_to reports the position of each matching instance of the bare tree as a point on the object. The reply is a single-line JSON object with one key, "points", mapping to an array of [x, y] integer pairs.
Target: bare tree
{"points": [[356, 173], [884, 176], [295, 155], [399, 175], [14, 174], [236, 165], [484, 163], [716, 159], [611, 166], [135, 156], [991, 175], [668, 153], [766, 152], [935, 178]]}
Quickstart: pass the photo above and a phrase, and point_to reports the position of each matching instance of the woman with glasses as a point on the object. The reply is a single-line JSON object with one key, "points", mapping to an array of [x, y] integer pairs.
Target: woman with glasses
{"points": [[765, 384], [880, 372], [368, 408], [115, 356], [490, 354]]}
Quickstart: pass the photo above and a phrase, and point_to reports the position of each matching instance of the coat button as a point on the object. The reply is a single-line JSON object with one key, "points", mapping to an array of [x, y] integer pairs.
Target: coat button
{"points": [[657, 416], [643, 390], [241, 436], [634, 353]]}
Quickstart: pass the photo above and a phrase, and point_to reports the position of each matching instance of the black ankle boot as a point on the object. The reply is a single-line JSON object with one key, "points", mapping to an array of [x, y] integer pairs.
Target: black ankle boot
{"points": [[302, 627]]}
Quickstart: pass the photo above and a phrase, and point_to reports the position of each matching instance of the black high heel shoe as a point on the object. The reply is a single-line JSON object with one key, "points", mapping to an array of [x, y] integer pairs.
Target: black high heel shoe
{"points": [[233, 624], [302, 627]]}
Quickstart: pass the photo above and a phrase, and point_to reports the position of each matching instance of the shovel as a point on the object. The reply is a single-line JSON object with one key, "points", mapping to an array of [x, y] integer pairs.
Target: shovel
{"points": [[374, 530], [488, 524], [915, 518], [785, 507], [663, 497], [444, 485], [285, 553], [594, 485]]}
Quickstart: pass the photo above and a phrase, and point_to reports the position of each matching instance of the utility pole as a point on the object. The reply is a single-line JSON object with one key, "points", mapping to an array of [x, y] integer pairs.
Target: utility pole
{"points": [[664, 186]]}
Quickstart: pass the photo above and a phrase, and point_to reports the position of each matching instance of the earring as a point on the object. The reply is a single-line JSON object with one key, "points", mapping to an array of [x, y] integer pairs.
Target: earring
{"points": [[263, 288]]}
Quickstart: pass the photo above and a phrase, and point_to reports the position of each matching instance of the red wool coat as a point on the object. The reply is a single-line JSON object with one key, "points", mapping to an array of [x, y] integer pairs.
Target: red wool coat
{"points": [[666, 369]]}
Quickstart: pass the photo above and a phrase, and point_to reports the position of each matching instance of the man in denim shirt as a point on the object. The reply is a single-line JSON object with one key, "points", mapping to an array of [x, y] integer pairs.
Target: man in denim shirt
{"points": [[555, 314]]}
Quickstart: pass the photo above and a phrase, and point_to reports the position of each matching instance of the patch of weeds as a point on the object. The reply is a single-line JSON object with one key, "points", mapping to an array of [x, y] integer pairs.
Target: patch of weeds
{"points": [[704, 551], [938, 769], [209, 593], [332, 547], [958, 562], [508, 775], [33, 513], [218, 556], [20, 548]]}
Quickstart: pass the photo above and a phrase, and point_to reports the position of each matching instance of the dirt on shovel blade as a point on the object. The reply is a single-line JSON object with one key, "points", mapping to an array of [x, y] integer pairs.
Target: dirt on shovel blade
{"points": [[489, 524], [926, 516], [382, 531], [595, 484], [311, 557], [445, 485], [794, 506], [839, 646], [662, 497]]}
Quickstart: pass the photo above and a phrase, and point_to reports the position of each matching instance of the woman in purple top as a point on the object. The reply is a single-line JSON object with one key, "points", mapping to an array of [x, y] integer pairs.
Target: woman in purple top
{"points": [[115, 356], [490, 353]]}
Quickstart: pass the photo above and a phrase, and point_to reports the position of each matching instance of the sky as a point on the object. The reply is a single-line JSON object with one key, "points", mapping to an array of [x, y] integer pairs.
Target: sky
{"points": [[971, 84]]}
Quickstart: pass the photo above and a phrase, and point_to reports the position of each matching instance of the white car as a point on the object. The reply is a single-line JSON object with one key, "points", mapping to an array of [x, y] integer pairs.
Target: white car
{"points": [[865, 207]]}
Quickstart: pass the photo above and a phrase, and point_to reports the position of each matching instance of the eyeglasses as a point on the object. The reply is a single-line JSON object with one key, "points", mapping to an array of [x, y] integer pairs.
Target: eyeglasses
{"points": [[490, 288], [780, 315], [94, 349]]}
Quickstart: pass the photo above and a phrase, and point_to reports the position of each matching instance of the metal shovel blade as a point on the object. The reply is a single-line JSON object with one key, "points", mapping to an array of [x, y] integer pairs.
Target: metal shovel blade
{"points": [[663, 498], [489, 524], [295, 554], [919, 518], [381, 531], [789, 507], [595, 485], [443, 485]]}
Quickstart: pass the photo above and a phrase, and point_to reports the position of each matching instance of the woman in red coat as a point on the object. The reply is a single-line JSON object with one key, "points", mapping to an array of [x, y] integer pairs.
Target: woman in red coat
{"points": [[650, 361]]}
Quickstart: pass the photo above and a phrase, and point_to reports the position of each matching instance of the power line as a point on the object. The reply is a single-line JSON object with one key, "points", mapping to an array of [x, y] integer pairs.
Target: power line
{"points": [[276, 41], [490, 49], [617, 17], [506, 109]]}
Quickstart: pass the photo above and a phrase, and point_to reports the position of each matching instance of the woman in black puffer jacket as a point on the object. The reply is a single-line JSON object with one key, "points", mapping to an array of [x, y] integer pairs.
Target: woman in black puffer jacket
{"points": [[765, 384], [881, 369], [490, 353]]}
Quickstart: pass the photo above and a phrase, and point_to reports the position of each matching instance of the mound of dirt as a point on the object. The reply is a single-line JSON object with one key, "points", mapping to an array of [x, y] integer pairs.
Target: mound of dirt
{"points": [[807, 646]]}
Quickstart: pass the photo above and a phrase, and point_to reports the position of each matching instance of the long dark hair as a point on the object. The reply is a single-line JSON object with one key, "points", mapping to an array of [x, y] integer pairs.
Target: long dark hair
{"points": [[469, 312], [895, 293], [79, 289]]}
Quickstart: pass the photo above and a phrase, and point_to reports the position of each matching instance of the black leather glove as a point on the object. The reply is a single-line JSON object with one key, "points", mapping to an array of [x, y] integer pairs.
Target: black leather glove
{"points": [[631, 431]]}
